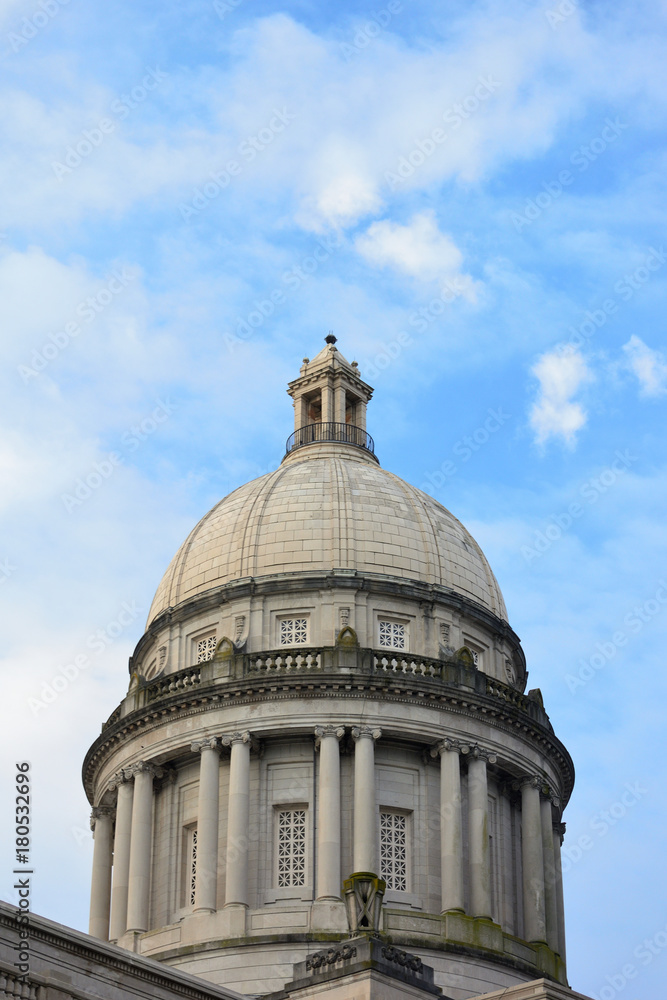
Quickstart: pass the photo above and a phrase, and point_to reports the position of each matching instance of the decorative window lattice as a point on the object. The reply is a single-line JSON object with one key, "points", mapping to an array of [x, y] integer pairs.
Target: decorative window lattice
{"points": [[392, 635], [475, 657], [291, 847], [192, 873], [394, 850], [444, 633], [293, 631], [206, 648]]}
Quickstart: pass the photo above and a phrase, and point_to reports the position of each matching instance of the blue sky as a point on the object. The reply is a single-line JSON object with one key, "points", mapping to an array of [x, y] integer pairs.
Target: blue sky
{"points": [[470, 195]]}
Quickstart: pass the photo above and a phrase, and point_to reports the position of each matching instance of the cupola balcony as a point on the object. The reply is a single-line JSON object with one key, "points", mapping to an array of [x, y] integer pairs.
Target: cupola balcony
{"points": [[329, 430]]}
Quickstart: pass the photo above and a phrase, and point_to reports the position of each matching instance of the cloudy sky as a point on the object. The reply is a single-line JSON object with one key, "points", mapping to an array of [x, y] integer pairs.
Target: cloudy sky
{"points": [[470, 195]]}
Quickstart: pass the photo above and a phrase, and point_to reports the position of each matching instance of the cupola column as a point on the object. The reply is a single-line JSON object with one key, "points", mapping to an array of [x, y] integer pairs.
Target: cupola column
{"points": [[478, 833], [558, 833], [206, 878], [365, 807], [327, 402], [121, 855], [140, 846], [100, 891], [238, 818], [451, 832], [532, 855], [339, 403], [328, 813], [550, 893]]}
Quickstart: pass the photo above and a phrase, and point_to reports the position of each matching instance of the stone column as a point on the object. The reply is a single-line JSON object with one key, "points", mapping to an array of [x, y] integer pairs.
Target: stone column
{"points": [[361, 414], [101, 821], [328, 884], [478, 833], [532, 855], [206, 877], [339, 404], [365, 807], [327, 402], [550, 895], [451, 831], [121, 854], [238, 817], [559, 833], [140, 847]]}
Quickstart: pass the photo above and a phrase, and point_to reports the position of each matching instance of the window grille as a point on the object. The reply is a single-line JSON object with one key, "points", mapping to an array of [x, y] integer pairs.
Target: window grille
{"points": [[291, 847], [192, 873], [293, 631], [394, 850], [393, 634], [206, 648]]}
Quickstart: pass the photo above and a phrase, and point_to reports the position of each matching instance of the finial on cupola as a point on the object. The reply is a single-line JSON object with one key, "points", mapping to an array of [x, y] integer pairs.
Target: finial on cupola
{"points": [[330, 339]]}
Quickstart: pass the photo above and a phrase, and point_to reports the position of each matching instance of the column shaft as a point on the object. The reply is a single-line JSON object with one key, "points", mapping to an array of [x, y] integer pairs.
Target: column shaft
{"points": [[327, 403], [533, 863], [121, 860], [206, 878], [140, 851], [559, 892], [328, 816], [237, 822], [339, 397], [550, 894], [100, 890], [478, 839], [451, 834], [365, 807]]}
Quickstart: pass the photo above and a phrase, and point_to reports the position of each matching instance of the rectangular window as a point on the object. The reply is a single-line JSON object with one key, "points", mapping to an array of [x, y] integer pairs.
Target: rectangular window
{"points": [[205, 648], [189, 869], [293, 631], [394, 850], [392, 635], [291, 852]]}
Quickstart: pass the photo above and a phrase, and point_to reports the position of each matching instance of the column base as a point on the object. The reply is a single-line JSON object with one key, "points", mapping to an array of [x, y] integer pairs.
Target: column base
{"points": [[328, 915], [233, 920]]}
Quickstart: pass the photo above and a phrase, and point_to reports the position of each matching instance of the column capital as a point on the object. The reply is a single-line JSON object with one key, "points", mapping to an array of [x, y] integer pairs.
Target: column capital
{"points": [[119, 778], [98, 812], [321, 732], [144, 766], [474, 752], [365, 732], [231, 738], [446, 745], [534, 780], [205, 743]]}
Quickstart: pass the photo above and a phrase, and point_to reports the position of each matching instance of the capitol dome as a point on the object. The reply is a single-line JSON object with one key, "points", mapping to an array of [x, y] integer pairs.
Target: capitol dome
{"points": [[328, 687], [322, 511]]}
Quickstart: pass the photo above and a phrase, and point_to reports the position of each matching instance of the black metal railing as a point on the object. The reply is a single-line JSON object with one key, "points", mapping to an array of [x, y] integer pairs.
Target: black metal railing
{"points": [[330, 431]]}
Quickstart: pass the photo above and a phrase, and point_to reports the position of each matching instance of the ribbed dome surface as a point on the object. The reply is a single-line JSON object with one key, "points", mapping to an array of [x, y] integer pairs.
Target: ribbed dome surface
{"points": [[327, 509]]}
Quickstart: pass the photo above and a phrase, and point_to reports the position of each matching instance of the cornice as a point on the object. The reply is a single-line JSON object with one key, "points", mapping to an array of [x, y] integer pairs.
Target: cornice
{"points": [[500, 715]]}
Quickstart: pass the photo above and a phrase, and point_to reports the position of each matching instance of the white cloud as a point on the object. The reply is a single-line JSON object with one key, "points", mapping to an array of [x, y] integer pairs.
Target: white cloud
{"points": [[648, 365], [418, 249], [554, 413]]}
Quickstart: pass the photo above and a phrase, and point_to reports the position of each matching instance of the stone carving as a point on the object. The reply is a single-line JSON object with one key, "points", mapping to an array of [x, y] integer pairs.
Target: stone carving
{"points": [[228, 741], [403, 958], [360, 732], [206, 743], [322, 731], [344, 617], [330, 957]]}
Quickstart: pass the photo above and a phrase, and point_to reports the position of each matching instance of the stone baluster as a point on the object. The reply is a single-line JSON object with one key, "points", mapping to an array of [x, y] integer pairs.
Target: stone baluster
{"points": [[365, 805], [206, 877], [328, 813]]}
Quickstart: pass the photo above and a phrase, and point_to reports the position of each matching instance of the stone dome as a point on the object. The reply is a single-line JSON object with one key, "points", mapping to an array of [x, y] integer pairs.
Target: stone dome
{"points": [[329, 507]]}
